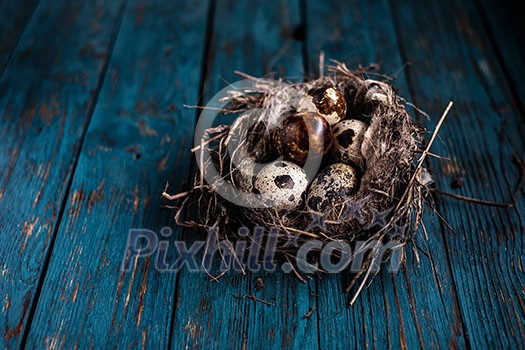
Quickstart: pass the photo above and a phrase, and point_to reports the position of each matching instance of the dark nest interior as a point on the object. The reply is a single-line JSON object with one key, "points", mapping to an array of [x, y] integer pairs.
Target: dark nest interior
{"points": [[393, 188]]}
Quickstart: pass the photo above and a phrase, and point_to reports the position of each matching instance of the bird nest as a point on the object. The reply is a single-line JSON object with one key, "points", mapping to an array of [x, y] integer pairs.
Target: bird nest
{"points": [[385, 208]]}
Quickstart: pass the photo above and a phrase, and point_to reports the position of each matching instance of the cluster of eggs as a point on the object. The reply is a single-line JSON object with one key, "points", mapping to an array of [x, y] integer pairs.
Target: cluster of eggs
{"points": [[317, 128]]}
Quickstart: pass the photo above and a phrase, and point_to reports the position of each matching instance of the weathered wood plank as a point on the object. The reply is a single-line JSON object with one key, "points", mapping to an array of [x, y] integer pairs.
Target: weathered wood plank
{"points": [[452, 60], [138, 139], [256, 38], [506, 32], [132, 148], [14, 16], [416, 308], [47, 93]]}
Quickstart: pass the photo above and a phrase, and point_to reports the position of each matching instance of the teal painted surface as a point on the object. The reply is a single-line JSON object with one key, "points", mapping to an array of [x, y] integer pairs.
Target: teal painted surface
{"points": [[399, 310], [14, 16], [47, 92], [507, 40], [211, 314], [93, 125], [138, 139], [481, 137]]}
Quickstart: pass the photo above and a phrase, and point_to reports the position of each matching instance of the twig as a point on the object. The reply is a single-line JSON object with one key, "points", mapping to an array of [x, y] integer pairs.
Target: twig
{"points": [[491, 203], [296, 273], [172, 197], [442, 219], [424, 155], [217, 277], [201, 162], [380, 192], [438, 156], [194, 149], [244, 75], [474, 200], [306, 233], [310, 312], [361, 286], [372, 265], [204, 107], [254, 298], [417, 109]]}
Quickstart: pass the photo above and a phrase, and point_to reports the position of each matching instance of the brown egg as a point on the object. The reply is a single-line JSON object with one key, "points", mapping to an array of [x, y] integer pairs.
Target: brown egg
{"points": [[325, 100], [298, 133]]}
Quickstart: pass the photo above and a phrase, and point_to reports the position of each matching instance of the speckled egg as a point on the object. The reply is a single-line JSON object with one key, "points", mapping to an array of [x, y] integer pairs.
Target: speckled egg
{"points": [[281, 184], [301, 133], [327, 101], [348, 136], [243, 174], [332, 185]]}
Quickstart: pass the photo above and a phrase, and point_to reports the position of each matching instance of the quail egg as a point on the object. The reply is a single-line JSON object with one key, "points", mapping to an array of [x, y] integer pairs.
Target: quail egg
{"points": [[332, 185], [327, 101], [301, 133], [281, 184], [348, 136], [243, 174]]}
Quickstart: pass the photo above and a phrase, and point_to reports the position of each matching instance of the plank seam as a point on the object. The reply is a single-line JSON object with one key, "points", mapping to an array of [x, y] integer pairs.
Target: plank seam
{"points": [[47, 258], [304, 52], [482, 14], [304, 45], [402, 52], [15, 46], [210, 19]]}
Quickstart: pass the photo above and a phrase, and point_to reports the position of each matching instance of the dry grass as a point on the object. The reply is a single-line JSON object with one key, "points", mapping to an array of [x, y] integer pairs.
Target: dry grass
{"points": [[393, 187]]}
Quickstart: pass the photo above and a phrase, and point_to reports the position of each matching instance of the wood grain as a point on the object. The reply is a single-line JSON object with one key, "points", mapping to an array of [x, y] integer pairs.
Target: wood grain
{"points": [[504, 30], [481, 137], [255, 38], [139, 138], [14, 16], [415, 308], [93, 125], [48, 90]]}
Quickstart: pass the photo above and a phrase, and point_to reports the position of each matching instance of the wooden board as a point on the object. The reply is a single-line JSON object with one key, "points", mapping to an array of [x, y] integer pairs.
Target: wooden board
{"points": [[93, 125], [138, 139], [415, 307], [14, 16], [481, 136], [47, 93], [216, 314], [504, 31]]}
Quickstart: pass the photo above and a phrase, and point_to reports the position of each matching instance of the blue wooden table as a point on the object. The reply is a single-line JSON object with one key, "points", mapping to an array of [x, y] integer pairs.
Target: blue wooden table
{"points": [[93, 125]]}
